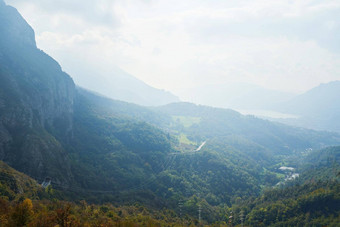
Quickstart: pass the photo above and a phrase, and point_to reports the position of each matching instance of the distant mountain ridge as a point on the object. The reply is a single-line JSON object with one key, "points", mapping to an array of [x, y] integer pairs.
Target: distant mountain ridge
{"points": [[318, 108], [115, 83], [322, 99], [125, 87], [231, 126], [240, 96]]}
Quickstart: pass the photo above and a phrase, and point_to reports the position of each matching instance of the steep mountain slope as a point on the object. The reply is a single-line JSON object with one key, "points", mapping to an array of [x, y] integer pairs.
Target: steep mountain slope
{"points": [[48, 129], [35, 96], [318, 108]]}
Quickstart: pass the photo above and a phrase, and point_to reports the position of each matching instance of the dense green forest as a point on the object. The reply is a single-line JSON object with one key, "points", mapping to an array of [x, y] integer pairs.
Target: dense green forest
{"points": [[311, 199], [23, 202]]}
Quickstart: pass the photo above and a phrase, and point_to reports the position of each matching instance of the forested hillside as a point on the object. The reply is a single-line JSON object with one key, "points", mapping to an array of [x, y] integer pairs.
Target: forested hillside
{"points": [[23, 202], [222, 123], [311, 200]]}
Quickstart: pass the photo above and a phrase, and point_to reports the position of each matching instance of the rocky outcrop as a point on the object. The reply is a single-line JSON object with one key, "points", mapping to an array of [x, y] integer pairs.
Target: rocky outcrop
{"points": [[36, 103], [14, 27]]}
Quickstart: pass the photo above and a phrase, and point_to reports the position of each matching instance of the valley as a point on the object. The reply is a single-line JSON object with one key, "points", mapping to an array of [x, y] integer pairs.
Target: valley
{"points": [[113, 163]]}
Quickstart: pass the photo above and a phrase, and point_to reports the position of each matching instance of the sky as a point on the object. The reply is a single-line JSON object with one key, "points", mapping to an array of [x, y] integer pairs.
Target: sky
{"points": [[287, 45]]}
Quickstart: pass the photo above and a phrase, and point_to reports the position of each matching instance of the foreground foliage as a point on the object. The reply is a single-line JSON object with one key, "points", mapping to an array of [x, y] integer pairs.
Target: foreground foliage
{"points": [[310, 204], [63, 214]]}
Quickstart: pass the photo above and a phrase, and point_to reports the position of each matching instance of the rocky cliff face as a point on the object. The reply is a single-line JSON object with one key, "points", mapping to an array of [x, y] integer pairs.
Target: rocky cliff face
{"points": [[36, 102]]}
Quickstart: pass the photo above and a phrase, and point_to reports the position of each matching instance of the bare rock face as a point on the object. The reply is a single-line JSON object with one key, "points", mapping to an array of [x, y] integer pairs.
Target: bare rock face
{"points": [[14, 26], [36, 103]]}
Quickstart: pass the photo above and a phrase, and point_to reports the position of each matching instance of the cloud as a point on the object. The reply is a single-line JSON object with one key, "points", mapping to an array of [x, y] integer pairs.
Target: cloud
{"points": [[302, 20], [99, 12]]}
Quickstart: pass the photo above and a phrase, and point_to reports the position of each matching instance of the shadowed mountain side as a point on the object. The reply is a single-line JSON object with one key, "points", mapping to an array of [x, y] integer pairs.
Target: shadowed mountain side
{"points": [[45, 123], [35, 96]]}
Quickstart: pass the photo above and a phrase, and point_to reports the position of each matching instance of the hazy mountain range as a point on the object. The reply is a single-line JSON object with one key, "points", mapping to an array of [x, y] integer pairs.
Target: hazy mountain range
{"points": [[318, 108], [117, 84], [236, 96]]}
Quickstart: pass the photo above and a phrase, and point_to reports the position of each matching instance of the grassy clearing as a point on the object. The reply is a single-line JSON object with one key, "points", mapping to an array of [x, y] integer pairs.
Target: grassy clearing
{"points": [[184, 139], [187, 121]]}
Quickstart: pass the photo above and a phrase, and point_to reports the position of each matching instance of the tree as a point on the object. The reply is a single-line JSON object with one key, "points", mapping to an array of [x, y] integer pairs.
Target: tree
{"points": [[22, 213]]}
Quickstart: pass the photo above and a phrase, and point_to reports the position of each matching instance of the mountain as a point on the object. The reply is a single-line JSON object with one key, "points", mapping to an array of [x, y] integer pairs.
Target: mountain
{"points": [[225, 123], [35, 97], [320, 100], [239, 96], [113, 83], [49, 129], [101, 150], [117, 84], [318, 108]]}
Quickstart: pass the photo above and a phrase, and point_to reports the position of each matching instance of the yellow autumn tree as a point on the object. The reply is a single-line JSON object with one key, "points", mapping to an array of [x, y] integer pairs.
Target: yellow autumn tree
{"points": [[22, 213]]}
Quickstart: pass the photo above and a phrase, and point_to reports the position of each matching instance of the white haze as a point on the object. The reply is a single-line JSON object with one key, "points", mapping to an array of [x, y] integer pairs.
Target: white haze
{"points": [[182, 46]]}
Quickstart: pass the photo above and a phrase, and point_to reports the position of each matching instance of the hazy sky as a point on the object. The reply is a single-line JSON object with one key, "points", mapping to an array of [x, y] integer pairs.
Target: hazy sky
{"points": [[290, 45]]}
